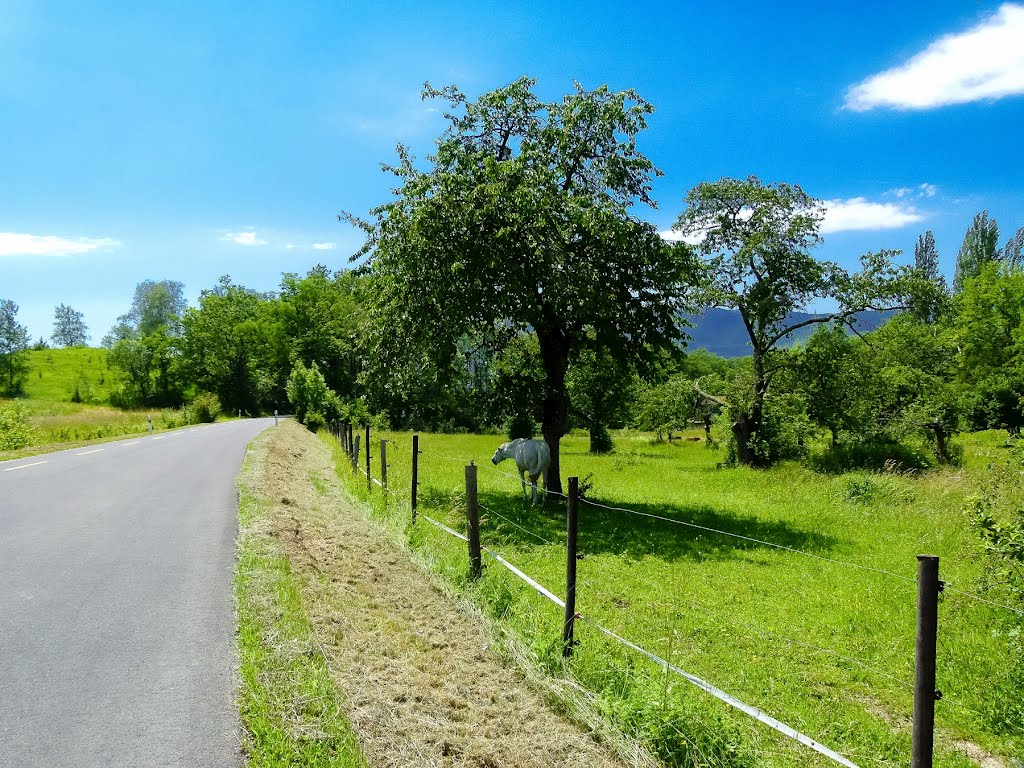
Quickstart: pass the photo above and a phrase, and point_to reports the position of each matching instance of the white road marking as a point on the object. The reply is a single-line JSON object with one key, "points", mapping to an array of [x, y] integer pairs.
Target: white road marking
{"points": [[26, 466], [160, 437], [86, 453], [133, 442]]}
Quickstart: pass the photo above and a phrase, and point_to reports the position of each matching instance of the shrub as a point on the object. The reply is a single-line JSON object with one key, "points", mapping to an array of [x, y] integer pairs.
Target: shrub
{"points": [[600, 439], [15, 431], [878, 455], [520, 425], [204, 408], [315, 421]]}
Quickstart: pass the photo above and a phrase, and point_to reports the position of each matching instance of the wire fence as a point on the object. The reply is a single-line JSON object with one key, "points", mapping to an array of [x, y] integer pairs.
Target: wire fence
{"points": [[500, 521]]}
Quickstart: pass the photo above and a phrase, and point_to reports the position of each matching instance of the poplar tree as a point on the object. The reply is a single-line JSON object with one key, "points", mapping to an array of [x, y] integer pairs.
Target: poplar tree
{"points": [[980, 246]]}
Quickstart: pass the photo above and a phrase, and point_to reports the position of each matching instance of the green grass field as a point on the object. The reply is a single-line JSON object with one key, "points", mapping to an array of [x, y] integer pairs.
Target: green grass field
{"points": [[824, 647], [54, 373], [57, 422]]}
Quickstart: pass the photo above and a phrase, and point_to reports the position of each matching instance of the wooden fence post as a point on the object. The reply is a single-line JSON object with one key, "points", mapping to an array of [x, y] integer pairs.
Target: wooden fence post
{"points": [[415, 473], [384, 465], [369, 477], [355, 454], [925, 695], [473, 522], [570, 566]]}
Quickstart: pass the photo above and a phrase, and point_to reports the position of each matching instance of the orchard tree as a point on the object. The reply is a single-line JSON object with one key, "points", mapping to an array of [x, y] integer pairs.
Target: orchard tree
{"points": [[523, 219], [828, 375], [755, 242], [14, 343], [69, 328]]}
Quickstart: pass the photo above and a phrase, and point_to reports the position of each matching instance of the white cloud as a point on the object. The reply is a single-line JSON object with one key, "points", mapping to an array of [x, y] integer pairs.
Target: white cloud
{"points": [[859, 213], [289, 246], [248, 237], [920, 191], [18, 244], [985, 62], [323, 246]]}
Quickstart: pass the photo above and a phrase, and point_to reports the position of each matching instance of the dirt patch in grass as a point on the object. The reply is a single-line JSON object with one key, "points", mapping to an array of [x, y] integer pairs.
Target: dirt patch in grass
{"points": [[422, 682]]}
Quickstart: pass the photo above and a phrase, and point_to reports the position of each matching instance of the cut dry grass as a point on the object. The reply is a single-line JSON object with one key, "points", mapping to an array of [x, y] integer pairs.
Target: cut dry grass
{"points": [[289, 707], [423, 683]]}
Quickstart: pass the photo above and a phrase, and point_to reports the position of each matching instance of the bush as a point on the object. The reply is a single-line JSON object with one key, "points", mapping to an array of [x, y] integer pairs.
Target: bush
{"points": [[520, 425], [600, 439], [315, 421], [204, 408], [878, 455], [15, 431]]}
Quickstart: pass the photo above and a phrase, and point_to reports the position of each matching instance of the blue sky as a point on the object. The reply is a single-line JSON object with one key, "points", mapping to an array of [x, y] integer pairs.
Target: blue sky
{"points": [[189, 140]]}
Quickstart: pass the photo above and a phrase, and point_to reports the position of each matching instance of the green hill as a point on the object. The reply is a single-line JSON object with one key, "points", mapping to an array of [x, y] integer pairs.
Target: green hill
{"points": [[54, 375]]}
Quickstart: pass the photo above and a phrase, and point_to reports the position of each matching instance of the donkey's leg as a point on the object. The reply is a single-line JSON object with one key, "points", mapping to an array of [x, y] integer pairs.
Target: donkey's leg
{"points": [[522, 478], [533, 495]]}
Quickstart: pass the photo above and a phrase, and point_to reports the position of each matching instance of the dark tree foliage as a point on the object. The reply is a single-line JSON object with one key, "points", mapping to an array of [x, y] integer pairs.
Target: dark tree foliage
{"points": [[523, 220], [69, 328], [234, 348]]}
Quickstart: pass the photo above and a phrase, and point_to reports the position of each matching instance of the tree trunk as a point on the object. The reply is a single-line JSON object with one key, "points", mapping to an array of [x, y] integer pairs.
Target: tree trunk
{"points": [[747, 426], [941, 449], [554, 353]]}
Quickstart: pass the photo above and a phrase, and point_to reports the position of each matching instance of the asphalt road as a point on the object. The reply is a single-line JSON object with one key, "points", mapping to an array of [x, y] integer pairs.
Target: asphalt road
{"points": [[116, 603]]}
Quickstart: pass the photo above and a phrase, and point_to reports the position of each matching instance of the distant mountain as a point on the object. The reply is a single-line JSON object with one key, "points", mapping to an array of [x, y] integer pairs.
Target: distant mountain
{"points": [[721, 331]]}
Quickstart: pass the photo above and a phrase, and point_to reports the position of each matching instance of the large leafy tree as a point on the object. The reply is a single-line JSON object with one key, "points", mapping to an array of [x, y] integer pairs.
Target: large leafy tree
{"points": [[14, 342], [145, 344], [755, 242], [69, 328], [321, 314], [987, 325], [523, 219], [235, 348]]}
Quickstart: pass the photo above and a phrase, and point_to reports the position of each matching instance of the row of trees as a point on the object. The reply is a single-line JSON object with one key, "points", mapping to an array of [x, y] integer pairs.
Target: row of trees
{"points": [[510, 278]]}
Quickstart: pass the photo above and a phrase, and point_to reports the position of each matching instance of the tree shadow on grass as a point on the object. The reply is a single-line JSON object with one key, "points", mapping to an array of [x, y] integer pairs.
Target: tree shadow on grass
{"points": [[507, 520]]}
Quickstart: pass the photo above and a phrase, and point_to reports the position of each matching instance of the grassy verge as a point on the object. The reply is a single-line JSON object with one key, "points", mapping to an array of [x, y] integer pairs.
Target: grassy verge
{"points": [[289, 708], [823, 647]]}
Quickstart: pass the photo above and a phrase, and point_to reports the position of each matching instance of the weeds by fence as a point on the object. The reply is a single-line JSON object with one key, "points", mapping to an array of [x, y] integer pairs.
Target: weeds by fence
{"points": [[928, 583]]}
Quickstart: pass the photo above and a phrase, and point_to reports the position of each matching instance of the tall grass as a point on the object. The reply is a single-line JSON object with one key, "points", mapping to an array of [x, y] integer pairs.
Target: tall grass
{"points": [[824, 647]]}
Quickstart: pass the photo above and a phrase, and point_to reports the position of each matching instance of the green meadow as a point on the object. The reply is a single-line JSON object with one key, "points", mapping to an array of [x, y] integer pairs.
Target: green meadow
{"points": [[59, 419], [813, 638]]}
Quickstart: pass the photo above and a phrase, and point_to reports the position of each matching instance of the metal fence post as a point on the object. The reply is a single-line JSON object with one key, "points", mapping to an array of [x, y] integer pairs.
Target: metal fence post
{"points": [[473, 523], [369, 477], [384, 465], [415, 473], [275, 417], [355, 454], [571, 519], [925, 695]]}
